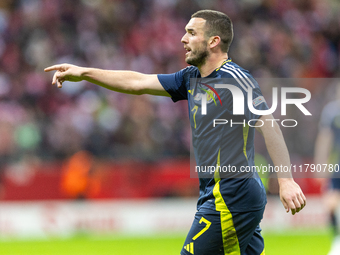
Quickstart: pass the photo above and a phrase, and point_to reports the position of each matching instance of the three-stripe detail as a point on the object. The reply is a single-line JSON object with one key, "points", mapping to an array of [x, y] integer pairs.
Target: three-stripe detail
{"points": [[242, 79]]}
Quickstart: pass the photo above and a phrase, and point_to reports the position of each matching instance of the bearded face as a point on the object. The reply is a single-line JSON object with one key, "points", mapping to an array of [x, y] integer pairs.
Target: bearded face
{"points": [[197, 56]]}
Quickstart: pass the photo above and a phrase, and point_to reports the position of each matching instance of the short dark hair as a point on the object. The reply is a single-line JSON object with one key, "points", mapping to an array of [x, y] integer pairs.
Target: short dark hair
{"points": [[217, 23]]}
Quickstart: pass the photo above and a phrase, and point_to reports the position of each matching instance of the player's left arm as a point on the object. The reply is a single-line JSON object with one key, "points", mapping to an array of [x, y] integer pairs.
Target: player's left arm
{"points": [[291, 194]]}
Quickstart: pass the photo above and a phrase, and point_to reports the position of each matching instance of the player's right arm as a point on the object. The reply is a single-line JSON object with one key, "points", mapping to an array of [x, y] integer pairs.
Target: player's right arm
{"points": [[128, 82]]}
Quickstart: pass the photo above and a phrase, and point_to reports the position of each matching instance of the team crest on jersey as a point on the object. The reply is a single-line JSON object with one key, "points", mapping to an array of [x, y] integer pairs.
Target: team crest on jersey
{"points": [[210, 96]]}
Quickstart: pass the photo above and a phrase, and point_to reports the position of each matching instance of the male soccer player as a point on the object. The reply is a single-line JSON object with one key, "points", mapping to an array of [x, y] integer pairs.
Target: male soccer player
{"points": [[229, 209], [328, 140]]}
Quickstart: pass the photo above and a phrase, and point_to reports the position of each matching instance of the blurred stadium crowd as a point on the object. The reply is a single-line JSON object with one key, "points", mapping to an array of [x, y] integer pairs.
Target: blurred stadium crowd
{"points": [[287, 39]]}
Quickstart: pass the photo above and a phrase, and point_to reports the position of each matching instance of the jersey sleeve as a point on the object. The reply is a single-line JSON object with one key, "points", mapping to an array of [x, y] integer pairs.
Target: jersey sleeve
{"points": [[258, 103], [176, 84]]}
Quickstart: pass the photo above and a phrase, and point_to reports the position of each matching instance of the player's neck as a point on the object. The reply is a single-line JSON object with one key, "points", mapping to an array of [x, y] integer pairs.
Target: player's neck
{"points": [[213, 62]]}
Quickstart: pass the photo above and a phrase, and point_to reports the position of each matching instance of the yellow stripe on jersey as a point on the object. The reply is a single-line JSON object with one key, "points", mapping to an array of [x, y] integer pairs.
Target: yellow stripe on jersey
{"points": [[245, 138], [230, 241]]}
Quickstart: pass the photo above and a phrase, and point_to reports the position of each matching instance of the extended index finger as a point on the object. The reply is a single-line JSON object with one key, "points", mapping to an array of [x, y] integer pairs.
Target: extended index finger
{"points": [[52, 68]]}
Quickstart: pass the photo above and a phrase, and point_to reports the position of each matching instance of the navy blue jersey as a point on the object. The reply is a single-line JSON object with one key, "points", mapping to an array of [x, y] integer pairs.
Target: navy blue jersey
{"points": [[223, 145]]}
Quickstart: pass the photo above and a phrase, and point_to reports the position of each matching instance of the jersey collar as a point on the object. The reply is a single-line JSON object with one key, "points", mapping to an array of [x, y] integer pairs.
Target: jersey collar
{"points": [[213, 74]]}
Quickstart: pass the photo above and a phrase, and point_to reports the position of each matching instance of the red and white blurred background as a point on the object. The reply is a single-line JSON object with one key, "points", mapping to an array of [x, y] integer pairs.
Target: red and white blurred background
{"points": [[82, 158]]}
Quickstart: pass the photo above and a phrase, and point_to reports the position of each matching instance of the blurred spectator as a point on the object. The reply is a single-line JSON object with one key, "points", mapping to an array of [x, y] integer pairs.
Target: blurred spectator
{"points": [[78, 179]]}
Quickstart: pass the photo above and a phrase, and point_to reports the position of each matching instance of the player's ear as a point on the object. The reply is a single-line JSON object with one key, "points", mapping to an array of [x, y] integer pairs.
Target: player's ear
{"points": [[214, 41]]}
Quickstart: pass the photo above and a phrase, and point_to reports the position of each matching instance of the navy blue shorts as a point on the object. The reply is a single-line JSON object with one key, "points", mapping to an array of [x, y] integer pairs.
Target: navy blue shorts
{"points": [[335, 183], [220, 233]]}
